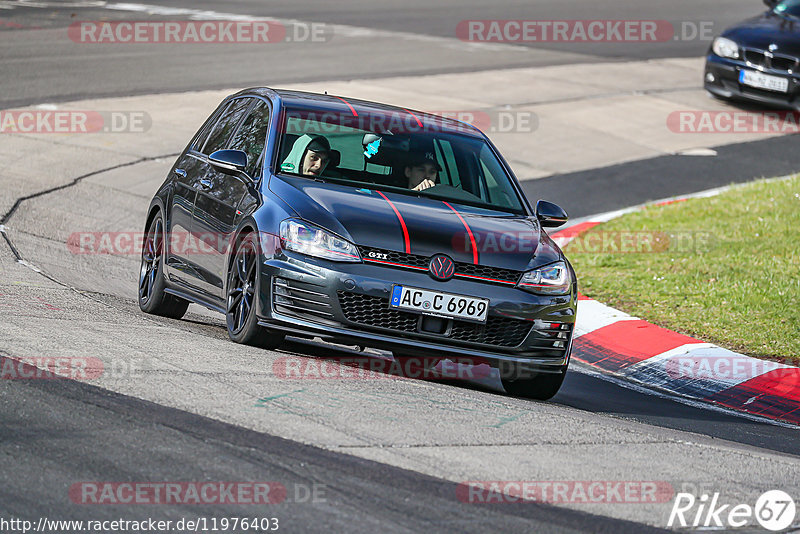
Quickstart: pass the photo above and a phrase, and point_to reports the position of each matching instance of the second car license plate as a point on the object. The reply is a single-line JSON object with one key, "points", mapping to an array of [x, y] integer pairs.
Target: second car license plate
{"points": [[764, 81], [437, 303]]}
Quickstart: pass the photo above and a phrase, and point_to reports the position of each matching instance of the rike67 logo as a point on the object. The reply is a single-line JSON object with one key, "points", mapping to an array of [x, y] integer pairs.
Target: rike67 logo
{"points": [[774, 510]]}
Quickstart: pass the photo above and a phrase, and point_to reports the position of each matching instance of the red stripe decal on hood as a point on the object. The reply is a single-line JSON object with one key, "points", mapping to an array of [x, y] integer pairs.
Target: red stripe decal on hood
{"points": [[469, 232], [402, 222]]}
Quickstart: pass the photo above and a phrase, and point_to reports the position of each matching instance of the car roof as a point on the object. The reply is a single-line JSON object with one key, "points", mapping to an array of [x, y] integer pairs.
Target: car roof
{"points": [[353, 105]]}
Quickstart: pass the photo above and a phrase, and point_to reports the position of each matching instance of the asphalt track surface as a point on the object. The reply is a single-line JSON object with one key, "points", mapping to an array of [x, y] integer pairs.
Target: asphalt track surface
{"points": [[629, 184], [54, 424], [405, 38], [56, 432]]}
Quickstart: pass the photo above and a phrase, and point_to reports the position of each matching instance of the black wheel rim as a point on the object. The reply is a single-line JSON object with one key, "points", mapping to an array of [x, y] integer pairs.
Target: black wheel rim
{"points": [[241, 287], [151, 259]]}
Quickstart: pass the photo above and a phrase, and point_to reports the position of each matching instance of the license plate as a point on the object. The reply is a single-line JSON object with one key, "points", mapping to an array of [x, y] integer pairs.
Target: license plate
{"points": [[764, 81], [439, 304]]}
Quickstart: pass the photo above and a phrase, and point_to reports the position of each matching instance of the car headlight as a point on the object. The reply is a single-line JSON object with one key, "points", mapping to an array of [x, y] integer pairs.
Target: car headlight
{"points": [[724, 47], [306, 238], [553, 279]]}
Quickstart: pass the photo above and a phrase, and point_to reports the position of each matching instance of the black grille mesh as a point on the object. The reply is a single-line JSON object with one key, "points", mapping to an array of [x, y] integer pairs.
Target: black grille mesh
{"points": [[500, 331], [375, 312], [495, 273], [776, 62]]}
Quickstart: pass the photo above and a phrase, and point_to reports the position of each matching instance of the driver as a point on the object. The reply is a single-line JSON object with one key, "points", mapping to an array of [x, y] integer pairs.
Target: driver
{"points": [[310, 155], [422, 171]]}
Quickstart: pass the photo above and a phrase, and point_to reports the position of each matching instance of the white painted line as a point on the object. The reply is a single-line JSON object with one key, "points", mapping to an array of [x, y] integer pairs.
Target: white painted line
{"points": [[30, 266], [697, 152]]}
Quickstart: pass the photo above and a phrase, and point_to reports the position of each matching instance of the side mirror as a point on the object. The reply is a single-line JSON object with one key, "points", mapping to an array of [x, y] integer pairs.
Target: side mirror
{"points": [[771, 3], [550, 215], [233, 162]]}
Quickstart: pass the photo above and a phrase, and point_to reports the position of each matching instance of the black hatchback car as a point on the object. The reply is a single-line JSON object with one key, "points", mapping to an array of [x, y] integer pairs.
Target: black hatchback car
{"points": [[364, 224], [759, 59]]}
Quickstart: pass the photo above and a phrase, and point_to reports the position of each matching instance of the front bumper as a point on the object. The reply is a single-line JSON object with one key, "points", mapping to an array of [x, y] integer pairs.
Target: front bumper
{"points": [[726, 84], [349, 303]]}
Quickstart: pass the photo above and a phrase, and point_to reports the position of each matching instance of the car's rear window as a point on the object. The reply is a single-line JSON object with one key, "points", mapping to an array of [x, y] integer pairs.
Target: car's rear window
{"points": [[391, 153]]}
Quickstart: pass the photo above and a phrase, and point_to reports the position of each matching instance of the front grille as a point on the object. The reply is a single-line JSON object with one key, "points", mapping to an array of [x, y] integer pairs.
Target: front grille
{"points": [[491, 273], [760, 58], [401, 260], [499, 331], [784, 63], [375, 312], [300, 299]]}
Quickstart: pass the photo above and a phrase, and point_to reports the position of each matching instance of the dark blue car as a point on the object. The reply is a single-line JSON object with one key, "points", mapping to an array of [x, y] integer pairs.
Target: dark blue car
{"points": [[758, 60], [315, 216]]}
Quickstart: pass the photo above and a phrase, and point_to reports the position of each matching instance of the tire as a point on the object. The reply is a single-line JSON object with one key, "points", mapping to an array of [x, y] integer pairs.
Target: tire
{"points": [[242, 292], [152, 298], [541, 387]]}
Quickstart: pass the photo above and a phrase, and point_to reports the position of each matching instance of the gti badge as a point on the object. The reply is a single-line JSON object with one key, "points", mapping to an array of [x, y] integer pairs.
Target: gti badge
{"points": [[442, 267]]}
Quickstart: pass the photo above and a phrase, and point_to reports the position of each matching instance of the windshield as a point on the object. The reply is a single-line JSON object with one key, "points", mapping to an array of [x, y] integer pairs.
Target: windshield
{"points": [[788, 7], [396, 152]]}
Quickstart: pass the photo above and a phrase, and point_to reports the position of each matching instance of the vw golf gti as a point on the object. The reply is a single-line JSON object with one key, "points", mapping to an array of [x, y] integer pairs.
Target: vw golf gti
{"points": [[365, 224]]}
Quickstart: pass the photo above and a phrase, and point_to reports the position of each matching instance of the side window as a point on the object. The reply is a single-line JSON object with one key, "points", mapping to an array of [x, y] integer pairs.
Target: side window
{"points": [[202, 134], [252, 135], [449, 174], [500, 192], [226, 125], [491, 183]]}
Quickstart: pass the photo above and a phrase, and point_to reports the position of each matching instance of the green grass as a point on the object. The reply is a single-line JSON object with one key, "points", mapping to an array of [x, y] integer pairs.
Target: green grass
{"points": [[728, 271]]}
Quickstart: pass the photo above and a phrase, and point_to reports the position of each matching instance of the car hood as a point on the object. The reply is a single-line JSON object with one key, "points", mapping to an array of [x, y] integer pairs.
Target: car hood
{"points": [[765, 30], [375, 219]]}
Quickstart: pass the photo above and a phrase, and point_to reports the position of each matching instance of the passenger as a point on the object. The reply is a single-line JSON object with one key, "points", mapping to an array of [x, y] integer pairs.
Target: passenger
{"points": [[310, 155], [422, 171]]}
